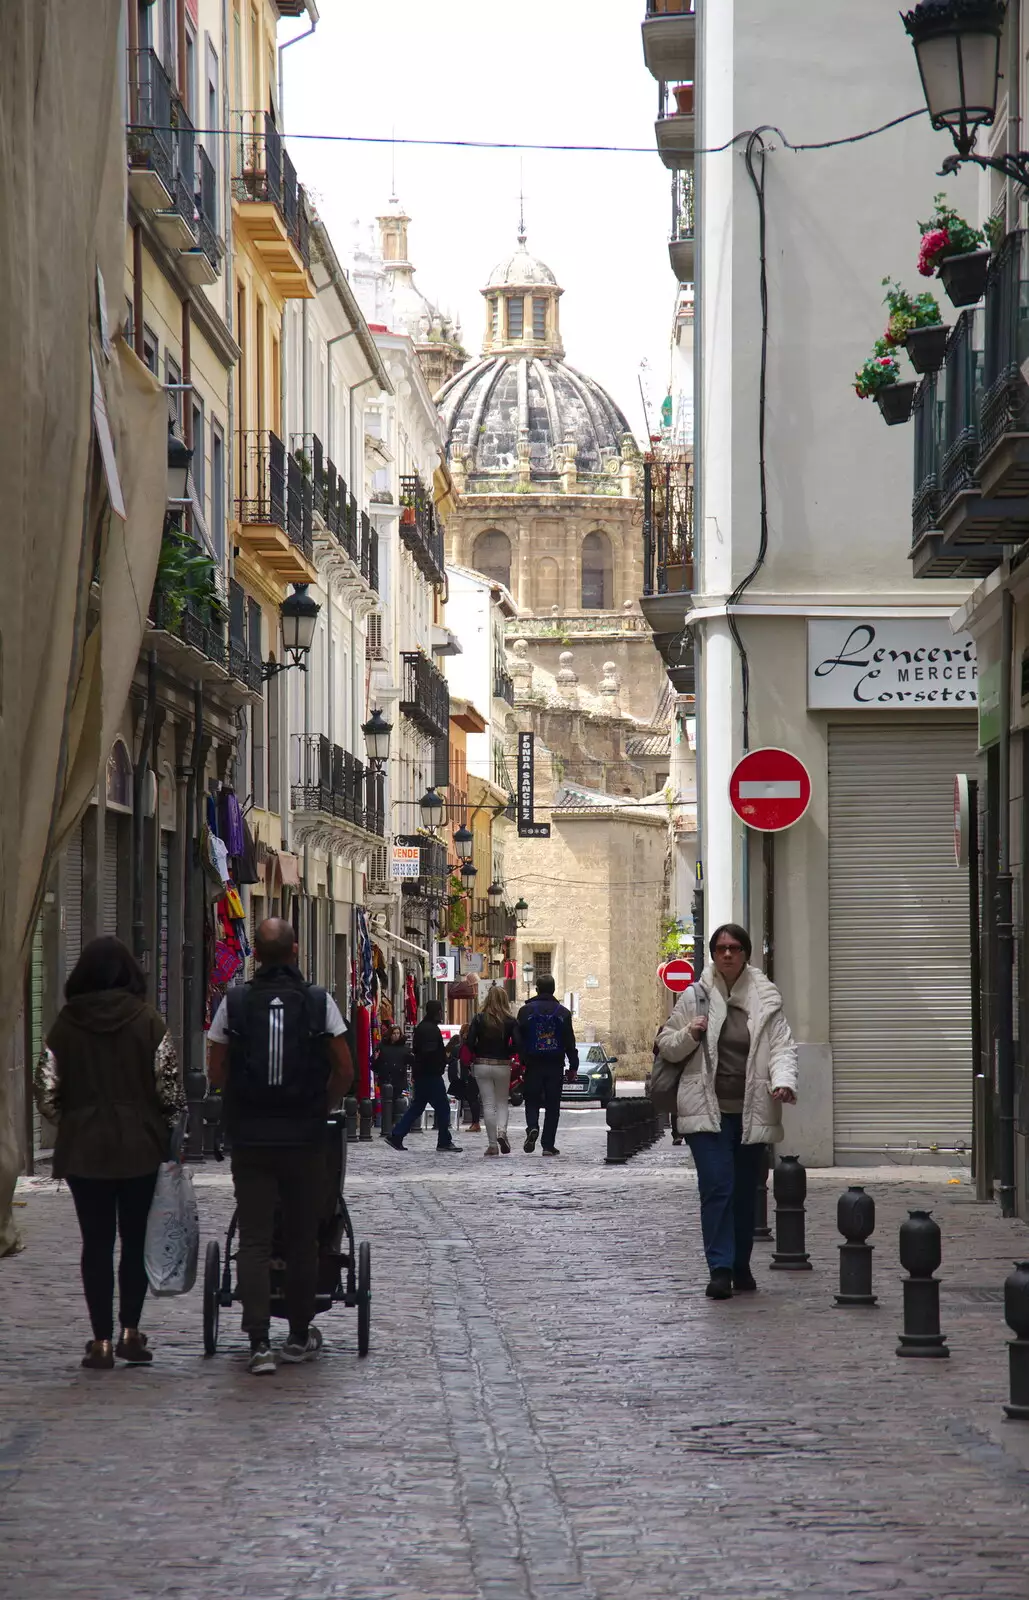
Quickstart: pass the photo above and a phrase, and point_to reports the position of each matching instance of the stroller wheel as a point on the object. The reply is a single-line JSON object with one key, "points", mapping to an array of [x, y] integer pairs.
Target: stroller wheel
{"points": [[212, 1287], [364, 1297]]}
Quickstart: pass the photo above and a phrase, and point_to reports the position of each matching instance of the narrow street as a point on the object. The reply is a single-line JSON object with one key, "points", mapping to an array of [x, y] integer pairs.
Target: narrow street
{"points": [[551, 1408]]}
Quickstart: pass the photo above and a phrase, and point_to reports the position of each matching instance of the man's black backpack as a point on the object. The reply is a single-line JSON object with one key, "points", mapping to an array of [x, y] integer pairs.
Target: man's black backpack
{"points": [[278, 1059]]}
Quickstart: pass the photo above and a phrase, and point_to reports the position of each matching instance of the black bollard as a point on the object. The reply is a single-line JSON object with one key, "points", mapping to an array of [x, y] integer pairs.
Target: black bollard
{"points": [[617, 1153], [761, 1228], [855, 1218], [789, 1186], [921, 1254], [366, 1120], [1016, 1315], [386, 1120], [350, 1107]]}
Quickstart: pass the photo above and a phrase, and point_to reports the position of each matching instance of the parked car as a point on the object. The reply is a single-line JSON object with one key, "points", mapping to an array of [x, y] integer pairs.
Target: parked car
{"points": [[595, 1079]]}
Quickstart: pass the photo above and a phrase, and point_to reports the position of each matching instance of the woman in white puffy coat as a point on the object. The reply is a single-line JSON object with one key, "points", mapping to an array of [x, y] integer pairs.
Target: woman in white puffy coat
{"points": [[739, 1067]]}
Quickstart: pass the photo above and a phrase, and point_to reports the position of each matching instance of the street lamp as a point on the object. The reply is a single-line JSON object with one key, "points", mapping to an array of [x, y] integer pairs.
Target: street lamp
{"points": [[468, 873], [431, 808], [522, 912], [495, 893], [957, 47], [528, 973], [180, 458], [298, 614], [376, 737], [464, 841]]}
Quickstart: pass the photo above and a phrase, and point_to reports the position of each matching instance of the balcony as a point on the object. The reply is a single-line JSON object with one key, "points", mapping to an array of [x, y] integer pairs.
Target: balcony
{"points": [[275, 507], [202, 264], [1004, 412], [433, 881], [670, 40], [346, 532], [244, 667], [425, 699], [503, 685], [681, 251], [336, 792], [419, 529], [151, 135], [270, 206], [675, 133], [668, 564], [187, 636], [495, 923]]}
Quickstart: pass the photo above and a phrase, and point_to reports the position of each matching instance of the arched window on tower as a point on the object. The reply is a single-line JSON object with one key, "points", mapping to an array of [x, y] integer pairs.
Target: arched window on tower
{"points": [[491, 555], [546, 584], [597, 589]]}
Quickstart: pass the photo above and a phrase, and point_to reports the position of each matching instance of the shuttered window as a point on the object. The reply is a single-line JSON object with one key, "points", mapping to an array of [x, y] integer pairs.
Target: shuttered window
{"points": [[898, 930], [163, 909], [112, 874], [73, 900]]}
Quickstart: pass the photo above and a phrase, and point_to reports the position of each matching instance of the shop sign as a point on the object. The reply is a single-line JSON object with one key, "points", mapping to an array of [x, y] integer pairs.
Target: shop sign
{"points": [[406, 861], [528, 827], [891, 664]]}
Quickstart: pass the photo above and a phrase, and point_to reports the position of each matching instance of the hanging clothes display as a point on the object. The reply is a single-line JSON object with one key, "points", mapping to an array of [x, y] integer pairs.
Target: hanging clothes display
{"points": [[362, 1045], [246, 866], [230, 823], [364, 960], [410, 1002]]}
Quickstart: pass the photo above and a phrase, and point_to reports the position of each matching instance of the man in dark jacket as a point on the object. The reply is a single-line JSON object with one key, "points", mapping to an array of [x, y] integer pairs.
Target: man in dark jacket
{"points": [[430, 1065], [548, 1040]]}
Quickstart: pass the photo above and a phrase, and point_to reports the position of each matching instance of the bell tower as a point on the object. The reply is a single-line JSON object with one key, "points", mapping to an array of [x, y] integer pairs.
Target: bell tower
{"points": [[523, 316]]}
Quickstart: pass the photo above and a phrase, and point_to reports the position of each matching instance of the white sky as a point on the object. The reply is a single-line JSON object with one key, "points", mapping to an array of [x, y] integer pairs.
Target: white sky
{"points": [[534, 71]]}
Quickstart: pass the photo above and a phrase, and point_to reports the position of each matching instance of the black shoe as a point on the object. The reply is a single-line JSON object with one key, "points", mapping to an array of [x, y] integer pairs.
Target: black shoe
{"points": [[744, 1282], [531, 1135], [397, 1144], [448, 1149], [720, 1287], [553, 1151]]}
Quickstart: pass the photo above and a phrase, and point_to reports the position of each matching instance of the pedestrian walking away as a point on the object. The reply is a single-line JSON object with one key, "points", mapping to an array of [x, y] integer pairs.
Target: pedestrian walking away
{"points": [[739, 1067], [278, 1051], [493, 1040], [547, 1041], [461, 1078], [109, 1079], [430, 1089]]}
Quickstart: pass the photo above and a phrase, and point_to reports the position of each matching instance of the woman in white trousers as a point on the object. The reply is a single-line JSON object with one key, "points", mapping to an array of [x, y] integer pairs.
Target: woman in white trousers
{"points": [[493, 1040]]}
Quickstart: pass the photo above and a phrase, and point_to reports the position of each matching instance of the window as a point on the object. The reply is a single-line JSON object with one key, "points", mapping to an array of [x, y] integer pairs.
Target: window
{"points": [[596, 572], [173, 375], [150, 353], [199, 452], [218, 490], [491, 555], [539, 319], [213, 116], [515, 316], [543, 963], [494, 317], [191, 75]]}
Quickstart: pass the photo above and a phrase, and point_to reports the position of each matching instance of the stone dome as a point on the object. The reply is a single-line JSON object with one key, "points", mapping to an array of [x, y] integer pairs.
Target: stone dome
{"points": [[504, 407], [521, 270]]}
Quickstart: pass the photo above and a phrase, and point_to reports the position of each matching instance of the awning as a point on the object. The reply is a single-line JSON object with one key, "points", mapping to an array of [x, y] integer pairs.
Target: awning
{"points": [[403, 944], [463, 989], [289, 869]]}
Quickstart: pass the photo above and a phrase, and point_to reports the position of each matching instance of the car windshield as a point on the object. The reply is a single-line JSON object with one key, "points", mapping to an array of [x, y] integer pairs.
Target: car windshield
{"points": [[596, 1055]]}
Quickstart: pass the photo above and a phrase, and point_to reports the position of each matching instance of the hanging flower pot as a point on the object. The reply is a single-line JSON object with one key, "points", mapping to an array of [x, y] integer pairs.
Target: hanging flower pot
{"points": [[407, 516], [927, 347], [895, 402], [964, 276], [684, 99]]}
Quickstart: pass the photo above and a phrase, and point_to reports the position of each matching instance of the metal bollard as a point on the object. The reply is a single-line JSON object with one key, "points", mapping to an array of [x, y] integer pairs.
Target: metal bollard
{"points": [[761, 1228], [366, 1120], [350, 1107], [855, 1218], [617, 1152], [921, 1253], [386, 1119], [789, 1186], [1016, 1315]]}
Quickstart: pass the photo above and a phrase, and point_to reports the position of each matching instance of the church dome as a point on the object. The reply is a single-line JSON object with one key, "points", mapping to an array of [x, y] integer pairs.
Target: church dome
{"points": [[547, 406], [520, 410], [521, 270]]}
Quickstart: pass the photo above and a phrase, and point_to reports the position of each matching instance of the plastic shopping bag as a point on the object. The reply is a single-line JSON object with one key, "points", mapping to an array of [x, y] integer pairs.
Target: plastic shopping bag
{"points": [[172, 1232]]}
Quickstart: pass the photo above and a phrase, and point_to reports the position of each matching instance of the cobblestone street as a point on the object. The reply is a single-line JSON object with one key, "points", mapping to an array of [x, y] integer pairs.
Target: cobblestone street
{"points": [[551, 1409]]}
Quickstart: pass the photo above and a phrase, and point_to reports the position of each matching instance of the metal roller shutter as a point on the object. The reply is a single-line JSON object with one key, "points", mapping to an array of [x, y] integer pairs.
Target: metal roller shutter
{"points": [[164, 868], [898, 917], [109, 895], [73, 901]]}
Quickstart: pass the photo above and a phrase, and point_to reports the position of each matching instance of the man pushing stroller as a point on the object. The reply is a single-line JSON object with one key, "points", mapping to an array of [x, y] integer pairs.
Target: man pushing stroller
{"points": [[278, 1052]]}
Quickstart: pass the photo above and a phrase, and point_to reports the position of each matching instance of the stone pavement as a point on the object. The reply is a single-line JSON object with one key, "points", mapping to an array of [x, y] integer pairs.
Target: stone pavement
{"points": [[551, 1411]]}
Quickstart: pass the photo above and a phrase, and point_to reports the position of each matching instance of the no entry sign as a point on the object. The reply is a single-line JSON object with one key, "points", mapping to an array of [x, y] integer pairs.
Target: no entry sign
{"points": [[770, 790], [676, 975]]}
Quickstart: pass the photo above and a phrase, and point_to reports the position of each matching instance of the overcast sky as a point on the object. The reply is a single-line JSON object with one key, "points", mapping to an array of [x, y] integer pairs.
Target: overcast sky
{"points": [[536, 71]]}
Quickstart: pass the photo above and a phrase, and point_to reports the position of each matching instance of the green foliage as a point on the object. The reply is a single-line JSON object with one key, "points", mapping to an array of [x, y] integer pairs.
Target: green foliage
{"points": [[880, 371], [185, 575], [908, 311], [673, 937]]}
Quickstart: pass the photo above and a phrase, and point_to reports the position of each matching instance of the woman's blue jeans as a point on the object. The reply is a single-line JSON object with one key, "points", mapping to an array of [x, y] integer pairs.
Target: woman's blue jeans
{"points": [[728, 1173]]}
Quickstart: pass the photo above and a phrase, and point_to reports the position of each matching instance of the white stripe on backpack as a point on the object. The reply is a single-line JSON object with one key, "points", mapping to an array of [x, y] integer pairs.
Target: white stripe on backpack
{"points": [[275, 1011]]}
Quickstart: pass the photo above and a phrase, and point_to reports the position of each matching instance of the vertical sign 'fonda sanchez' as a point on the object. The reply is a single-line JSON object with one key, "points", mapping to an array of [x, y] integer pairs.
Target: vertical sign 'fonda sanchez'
{"points": [[527, 828]]}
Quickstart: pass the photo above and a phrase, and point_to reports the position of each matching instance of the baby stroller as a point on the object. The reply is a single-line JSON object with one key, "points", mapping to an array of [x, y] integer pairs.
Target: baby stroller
{"points": [[344, 1269]]}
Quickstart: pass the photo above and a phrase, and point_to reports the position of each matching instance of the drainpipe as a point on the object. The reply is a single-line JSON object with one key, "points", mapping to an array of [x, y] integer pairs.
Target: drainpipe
{"points": [[139, 773], [195, 1081], [296, 40], [697, 908], [1005, 933], [1014, 81], [138, 344]]}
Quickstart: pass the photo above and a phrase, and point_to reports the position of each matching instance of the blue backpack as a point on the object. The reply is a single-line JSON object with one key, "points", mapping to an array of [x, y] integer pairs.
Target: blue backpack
{"points": [[541, 1033]]}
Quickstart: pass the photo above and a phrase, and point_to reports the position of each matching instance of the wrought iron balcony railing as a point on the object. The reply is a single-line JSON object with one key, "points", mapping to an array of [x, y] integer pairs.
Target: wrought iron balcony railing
{"points": [[195, 625], [263, 171], [334, 782], [1005, 400], [151, 135], [274, 490], [667, 527], [503, 685], [425, 699], [243, 665], [420, 529], [964, 388], [433, 881], [207, 221], [927, 415]]}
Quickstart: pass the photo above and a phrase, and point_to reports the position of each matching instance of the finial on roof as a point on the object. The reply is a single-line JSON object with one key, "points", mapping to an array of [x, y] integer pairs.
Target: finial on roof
{"points": [[521, 207]]}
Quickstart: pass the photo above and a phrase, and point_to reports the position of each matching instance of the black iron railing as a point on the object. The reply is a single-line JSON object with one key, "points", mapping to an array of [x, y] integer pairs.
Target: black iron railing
{"points": [[243, 665], [151, 136], [667, 527], [963, 385], [493, 922], [336, 783], [425, 699], [503, 685], [433, 881], [195, 625], [207, 222], [263, 171], [420, 529], [682, 205], [1005, 401], [275, 489], [927, 415], [184, 189]]}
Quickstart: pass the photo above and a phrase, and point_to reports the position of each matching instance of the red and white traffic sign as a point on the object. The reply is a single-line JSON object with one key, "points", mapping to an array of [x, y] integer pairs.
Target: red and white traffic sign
{"points": [[676, 975], [770, 790]]}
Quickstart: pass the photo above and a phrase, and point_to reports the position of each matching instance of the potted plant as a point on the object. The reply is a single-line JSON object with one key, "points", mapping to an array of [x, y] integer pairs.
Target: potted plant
{"points": [[915, 323], [955, 252], [879, 380], [407, 516], [684, 99]]}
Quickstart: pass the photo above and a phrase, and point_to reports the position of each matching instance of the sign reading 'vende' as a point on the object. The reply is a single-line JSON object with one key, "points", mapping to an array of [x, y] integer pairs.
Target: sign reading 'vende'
{"points": [[406, 861]]}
